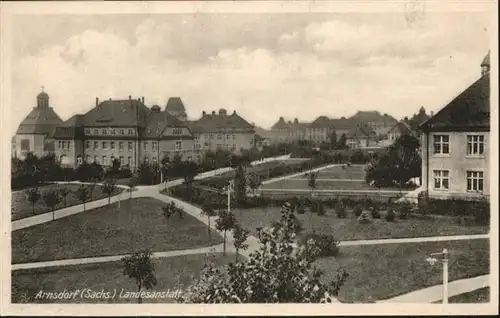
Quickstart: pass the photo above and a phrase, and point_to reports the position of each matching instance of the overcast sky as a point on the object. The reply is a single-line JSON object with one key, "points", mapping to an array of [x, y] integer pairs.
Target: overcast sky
{"points": [[261, 65]]}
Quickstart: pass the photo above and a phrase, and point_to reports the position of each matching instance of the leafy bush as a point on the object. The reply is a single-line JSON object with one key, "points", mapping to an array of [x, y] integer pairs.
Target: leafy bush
{"points": [[341, 211], [390, 215], [405, 209], [328, 245], [364, 218], [300, 209], [358, 210], [375, 212]]}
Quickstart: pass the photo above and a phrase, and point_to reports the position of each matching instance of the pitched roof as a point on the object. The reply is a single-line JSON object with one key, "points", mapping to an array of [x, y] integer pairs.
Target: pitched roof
{"points": [[470, 110], [217, 122], [374, 116], [486, 60], [40, 121], [280, 124], [157, 122], [361, 131], [175, 104], [128, 112], [71, 128], [401, 127], [321, 122]]}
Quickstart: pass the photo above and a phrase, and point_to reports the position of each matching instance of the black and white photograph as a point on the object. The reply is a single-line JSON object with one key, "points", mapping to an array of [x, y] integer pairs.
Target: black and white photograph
{"points": [[190, 153]]}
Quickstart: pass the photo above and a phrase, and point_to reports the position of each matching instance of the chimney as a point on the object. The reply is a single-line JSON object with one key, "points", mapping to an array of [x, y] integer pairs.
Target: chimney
{"points": [[143, 99], [203, 113], [213, 112], [129, 97], [97, 101], [234, 112]]}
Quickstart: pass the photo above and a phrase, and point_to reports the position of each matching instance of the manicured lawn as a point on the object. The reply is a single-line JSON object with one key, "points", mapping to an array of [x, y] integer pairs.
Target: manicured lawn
{"points": [[350, 229], [324, 185], [138, 224], [379, 272], [21, 207], [352, 172], [173, 273], [481, 295]]}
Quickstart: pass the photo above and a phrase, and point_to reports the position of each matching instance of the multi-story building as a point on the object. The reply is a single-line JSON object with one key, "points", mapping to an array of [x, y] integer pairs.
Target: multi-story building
{"points": [[381, 124], [221, 131], [35, 133], [361, 136], [287, 131], [455, 152], [126, 130], [322, 128]]}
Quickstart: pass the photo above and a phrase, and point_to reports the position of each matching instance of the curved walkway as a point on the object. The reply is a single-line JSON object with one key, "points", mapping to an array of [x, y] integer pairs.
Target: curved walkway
{"points": [[435, 293], [114, 258]]}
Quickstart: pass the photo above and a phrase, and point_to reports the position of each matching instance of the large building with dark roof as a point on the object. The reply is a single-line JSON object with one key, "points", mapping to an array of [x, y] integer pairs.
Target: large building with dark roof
{"points": [[220, 130], [35, 133], [455, 151], [126, 130]]}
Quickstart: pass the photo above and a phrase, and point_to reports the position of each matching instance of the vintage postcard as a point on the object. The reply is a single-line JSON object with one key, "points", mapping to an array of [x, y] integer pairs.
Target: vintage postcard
{"points": [[253, 157]]}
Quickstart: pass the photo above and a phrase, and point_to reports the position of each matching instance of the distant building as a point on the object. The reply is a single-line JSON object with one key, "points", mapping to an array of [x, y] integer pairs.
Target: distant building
{"points": [[221, 131], [401, 128], [322, 128], [126, 130], [36, 131], [175, 107], [381, 124], [361, 136], [455, 151]]}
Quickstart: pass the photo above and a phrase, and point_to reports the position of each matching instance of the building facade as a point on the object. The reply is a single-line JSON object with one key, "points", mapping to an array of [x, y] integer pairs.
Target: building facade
{"points": [[126, 130], [36, 131], [455, 152]]}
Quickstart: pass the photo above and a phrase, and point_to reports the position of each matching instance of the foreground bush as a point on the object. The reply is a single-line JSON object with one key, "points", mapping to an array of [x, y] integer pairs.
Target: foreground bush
{"points": [[275, 273], [390, 215], [327, 244]]}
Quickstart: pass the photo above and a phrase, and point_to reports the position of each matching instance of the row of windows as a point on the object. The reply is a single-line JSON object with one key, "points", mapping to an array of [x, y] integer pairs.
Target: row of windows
{"points": [[475, 180], [227, 146], [475, 145], [64, 144], [112, 145], [109, 131], [103, 160]]}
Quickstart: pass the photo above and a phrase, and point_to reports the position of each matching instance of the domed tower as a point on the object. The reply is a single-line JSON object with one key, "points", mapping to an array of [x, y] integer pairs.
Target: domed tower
{"points": [[35, 132], [485, 65], [176, 108]]}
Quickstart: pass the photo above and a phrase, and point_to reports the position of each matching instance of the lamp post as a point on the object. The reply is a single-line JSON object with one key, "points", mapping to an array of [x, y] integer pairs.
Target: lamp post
{"points": [[229, 189], [443, 258]]}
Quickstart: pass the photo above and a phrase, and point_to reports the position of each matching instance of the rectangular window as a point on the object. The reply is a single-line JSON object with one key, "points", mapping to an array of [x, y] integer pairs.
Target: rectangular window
{"points": [[129, 160], [88, 131], [104, 145], [112, 145], [234, 137], [130, 131], [121, 160], [154, 159], [87, 144], [441, 179], [112, 131], [475, 145], [441, 144], [177, 131], [60, 144], [68, 144], [79, 160], [120, 145], [178, 145], [475, 181], [87, 159], [228, 136], [104, 160], [145, 145], [122, 131], [96, 159], [105, 131], [96, 131], [96, 145], [130, 145], [219, 136], [154, 144]]}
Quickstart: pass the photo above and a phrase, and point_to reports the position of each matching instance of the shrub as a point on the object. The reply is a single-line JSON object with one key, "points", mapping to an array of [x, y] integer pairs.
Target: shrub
{"points": [[301, 209], [390, 216], [375, 212], [358, 210], [340, 210], [327, 244], [364, 218], [405, 209]]}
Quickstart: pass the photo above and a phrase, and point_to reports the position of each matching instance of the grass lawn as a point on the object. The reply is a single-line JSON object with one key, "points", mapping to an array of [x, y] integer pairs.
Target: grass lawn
{"points": [[481, 295], [352, 172], [379, 272], [172, 273], [21, 207], [350, 229], [325, 185], [107, 230]]}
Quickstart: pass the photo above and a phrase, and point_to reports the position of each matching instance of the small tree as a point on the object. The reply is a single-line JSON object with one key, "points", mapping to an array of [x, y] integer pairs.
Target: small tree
{"points": [[132, 182], [83, 194], [64, 192], [91, 188], [209, 212], [33, 196], [254, 182], [109, 187], [140, 267], [240, 235], [51, 198], [168, 210], [225, 222], [240, 185]]}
